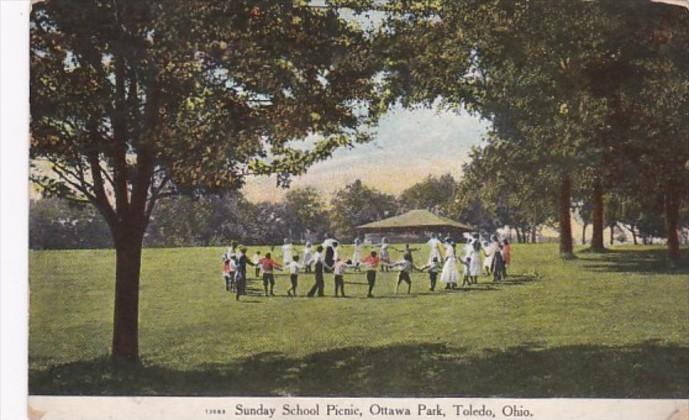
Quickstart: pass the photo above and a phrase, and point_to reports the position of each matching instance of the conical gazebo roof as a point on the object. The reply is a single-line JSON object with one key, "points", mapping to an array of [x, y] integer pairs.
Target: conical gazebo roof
{"points": [[415, 219]]}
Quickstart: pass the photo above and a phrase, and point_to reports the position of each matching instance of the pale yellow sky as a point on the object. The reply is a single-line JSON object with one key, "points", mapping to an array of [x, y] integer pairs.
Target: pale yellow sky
{"points": [[409, 145]]}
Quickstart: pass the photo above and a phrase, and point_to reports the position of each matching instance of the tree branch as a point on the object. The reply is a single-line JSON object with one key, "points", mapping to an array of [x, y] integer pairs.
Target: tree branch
{"points": [[102, 202]]}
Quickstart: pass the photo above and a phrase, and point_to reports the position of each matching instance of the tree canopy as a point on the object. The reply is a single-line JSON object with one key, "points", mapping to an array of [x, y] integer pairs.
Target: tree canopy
{"points": [[132, 101]]}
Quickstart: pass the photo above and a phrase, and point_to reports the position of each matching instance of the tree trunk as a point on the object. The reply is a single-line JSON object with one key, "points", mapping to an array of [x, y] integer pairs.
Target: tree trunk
{"points": [[583, 233], [632, 229], [672, 219], [597, 235], [612, 234], [519, 235], [565, 204], [533, 234], [125, 337]]}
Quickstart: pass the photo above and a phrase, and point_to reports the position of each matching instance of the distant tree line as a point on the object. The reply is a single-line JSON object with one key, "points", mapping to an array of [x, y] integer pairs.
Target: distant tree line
{"points": [[303, 214], [216, 219]]}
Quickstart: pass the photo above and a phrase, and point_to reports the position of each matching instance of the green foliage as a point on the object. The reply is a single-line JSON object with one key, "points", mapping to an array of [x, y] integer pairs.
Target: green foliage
{"points": [[58, 224], [498, 190], [357, 204], [123, 98], [305, 214], [435, 193], [594, 91], [602, 326]]}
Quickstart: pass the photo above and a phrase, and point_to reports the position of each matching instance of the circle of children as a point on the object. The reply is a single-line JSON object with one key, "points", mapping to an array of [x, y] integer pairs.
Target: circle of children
{"points": [[326, 258]]}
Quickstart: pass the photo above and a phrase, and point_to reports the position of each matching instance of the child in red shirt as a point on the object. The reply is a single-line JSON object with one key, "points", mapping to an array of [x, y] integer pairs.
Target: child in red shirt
{"points": [[267, 266], [371, 262]]}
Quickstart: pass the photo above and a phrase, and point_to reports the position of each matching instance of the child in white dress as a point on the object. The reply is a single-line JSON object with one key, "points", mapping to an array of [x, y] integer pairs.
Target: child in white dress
{"points": [[475, 262], [286, 252], [308, 257], [356, 255]]}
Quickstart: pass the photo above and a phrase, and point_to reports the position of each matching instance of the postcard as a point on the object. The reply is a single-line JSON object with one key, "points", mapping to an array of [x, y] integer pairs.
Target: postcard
{"points": [[358, 209]]}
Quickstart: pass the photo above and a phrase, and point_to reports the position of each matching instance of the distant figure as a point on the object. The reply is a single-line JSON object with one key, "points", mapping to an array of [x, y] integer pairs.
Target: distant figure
{"points": [[408, 250], [293, 268], [449, 275], [434, 248], [319, 285], [308, 257], [256, 263], [356, 255], [384, 255], [371, 262], [267, 267], [506, 255], [286, 252]]}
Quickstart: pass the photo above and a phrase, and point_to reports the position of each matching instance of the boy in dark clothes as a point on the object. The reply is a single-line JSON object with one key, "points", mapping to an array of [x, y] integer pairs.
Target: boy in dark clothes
{"points": [[242, 262], [319, 285], [433, 267]]}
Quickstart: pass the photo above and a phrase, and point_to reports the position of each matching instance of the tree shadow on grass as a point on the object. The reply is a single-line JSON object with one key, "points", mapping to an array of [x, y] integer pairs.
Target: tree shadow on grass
{"points": [[646, 261], [646, 370]]}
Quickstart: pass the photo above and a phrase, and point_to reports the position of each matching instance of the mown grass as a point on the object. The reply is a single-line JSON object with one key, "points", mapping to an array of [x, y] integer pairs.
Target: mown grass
{"points": [[609, 325]]}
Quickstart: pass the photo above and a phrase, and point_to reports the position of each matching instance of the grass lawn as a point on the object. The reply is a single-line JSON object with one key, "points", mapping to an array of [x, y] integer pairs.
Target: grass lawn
{"points": [[609, 325]]}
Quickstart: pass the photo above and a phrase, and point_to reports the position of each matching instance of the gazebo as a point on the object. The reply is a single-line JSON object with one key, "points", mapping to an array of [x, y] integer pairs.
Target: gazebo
{"points": [[411, 226]]}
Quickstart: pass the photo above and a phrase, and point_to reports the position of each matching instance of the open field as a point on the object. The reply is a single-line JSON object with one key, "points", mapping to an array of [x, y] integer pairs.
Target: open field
{"points": [[610, 325]]}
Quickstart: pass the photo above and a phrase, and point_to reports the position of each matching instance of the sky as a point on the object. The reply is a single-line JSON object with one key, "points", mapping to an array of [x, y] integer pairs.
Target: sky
{"points": [[409, 145]]}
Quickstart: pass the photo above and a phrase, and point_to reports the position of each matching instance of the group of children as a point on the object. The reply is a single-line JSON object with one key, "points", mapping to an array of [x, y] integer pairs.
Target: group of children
{"points": [[326, 258]]}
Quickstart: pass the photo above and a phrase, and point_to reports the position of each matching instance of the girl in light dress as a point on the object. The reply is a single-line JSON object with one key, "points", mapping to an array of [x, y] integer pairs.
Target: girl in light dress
{"points": [[308, 257], [489, 249], [356, 255], [449, 275], [434, 245], [286, 252], [384, 255]]}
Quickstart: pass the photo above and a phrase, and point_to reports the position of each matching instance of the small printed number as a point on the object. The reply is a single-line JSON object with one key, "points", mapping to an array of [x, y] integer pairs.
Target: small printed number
{"points": [[211, 411]]}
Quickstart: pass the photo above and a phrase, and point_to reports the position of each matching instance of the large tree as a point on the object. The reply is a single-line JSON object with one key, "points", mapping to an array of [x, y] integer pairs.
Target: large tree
{"points": [[132, 100], [556, 78]]}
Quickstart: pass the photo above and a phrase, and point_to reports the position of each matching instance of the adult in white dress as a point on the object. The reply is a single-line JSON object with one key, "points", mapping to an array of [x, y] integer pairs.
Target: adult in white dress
{"points": [[449, 275], [434, 248]]}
